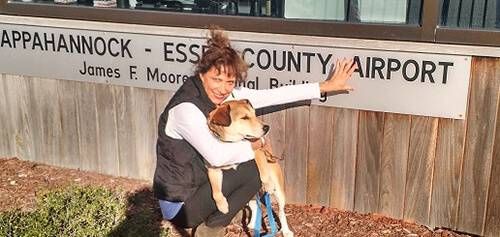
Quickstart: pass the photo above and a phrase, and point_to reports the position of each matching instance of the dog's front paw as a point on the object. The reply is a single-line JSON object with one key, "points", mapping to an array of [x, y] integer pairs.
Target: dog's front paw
{"points": [[222, 205]]}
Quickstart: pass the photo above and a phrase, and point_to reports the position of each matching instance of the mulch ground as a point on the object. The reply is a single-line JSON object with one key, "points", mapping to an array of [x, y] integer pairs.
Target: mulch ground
{"points": [[21, 180]]}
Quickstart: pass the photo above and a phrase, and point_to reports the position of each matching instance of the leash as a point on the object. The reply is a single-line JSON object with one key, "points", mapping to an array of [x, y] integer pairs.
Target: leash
{"points": [[269, 210], [269, 156]]}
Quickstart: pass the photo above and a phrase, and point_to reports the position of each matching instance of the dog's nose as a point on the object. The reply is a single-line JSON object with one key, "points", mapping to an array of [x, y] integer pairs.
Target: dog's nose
{"points": [[265, 128]]}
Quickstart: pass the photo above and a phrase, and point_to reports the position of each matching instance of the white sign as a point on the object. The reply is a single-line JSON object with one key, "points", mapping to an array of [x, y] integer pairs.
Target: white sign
{"points": [[408, 83]]}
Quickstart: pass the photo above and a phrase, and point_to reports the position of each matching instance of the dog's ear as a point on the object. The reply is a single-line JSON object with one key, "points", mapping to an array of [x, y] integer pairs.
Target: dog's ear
{"points": [[247, 102], [222, 116]]}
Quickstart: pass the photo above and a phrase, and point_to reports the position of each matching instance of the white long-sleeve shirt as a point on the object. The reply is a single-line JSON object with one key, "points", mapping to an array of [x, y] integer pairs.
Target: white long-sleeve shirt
{"points": [[186, 121]]}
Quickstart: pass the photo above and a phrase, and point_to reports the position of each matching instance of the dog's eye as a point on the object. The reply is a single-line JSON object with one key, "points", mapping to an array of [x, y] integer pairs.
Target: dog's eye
{"points": [[245, 117]]}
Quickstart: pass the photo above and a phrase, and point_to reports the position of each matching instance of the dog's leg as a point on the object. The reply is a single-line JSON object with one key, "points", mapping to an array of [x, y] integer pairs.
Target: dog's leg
{"points": [[261, 161], [279, 194], [253, 208], [215, 177], [280, 198]]}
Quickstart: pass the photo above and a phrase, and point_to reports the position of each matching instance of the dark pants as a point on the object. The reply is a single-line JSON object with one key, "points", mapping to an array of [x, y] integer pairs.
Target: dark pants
{"points": [[238, 186]]}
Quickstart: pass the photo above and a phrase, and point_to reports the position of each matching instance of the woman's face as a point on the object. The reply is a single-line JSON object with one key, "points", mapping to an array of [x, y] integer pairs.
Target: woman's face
{"points": [[218, 84]]}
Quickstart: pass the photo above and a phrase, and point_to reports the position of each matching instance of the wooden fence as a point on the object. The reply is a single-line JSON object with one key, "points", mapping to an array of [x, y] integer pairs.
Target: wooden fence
{"points": [[436, 171]]}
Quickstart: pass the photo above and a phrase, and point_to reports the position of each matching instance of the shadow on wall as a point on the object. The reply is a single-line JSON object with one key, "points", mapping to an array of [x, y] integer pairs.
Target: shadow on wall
{"points": [[143, 217]]}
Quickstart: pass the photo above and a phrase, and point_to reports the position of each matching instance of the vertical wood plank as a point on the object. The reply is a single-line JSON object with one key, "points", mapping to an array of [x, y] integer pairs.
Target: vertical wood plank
{"points": [[318, 163], [128, 166], [420, 167], [145, 130], [70, 152], [107, 130], [345, 137], [87, 126], [369, 151], [37, 121], [276, 122], [297, 135], [7, 148], [479, 144], [49, 111], [393, 164], [492, 223], [18, 100], [447, 171]]}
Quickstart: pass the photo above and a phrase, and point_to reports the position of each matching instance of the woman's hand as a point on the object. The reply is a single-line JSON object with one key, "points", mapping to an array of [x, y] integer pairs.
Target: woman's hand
{"points": [[338, 80]]}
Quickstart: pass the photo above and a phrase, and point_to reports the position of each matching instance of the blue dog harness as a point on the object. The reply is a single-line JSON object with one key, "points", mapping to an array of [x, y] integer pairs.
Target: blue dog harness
{"points": [[269, 210]]}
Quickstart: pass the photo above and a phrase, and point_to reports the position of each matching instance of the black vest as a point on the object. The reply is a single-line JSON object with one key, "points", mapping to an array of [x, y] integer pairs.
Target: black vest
{"points": [[180, 169]]}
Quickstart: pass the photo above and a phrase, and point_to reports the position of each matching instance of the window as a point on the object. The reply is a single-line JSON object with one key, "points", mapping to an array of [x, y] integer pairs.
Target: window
{"points": [[387, 11], [315, 9], [444, 21], [469, 22], [367, 11], [470, 14], [375, 11]]}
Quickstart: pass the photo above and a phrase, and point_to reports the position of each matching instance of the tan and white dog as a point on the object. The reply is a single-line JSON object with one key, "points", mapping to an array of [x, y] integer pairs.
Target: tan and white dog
{"points": [[235, 121]]}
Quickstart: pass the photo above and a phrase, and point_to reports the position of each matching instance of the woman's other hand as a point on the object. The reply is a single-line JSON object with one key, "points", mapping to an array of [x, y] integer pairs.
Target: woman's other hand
{"points": [[338, 79]]}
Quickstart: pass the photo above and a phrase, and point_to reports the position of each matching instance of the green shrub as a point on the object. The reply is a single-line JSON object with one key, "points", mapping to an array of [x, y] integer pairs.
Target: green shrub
{"points": [[17, 223], [70, 211]]}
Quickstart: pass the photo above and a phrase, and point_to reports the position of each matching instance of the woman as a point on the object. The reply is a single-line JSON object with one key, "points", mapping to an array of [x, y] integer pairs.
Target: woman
{"points": [[184, 140]]}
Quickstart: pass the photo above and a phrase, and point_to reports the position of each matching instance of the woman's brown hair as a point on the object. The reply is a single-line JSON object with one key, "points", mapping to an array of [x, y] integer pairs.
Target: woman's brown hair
{"points": [[220, 54]]}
